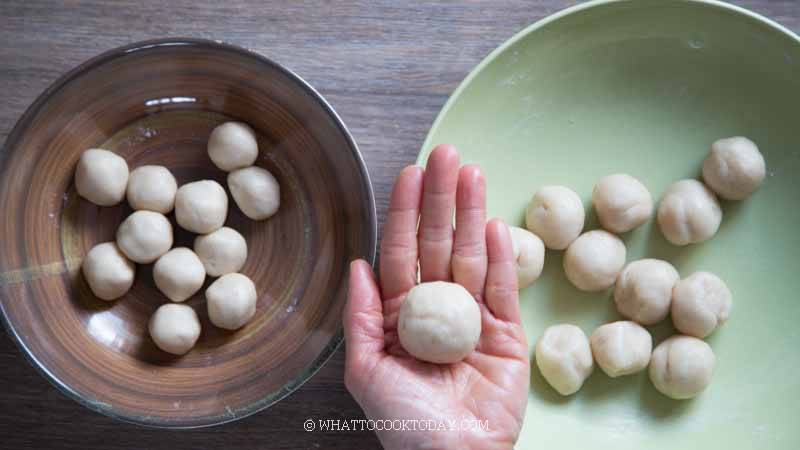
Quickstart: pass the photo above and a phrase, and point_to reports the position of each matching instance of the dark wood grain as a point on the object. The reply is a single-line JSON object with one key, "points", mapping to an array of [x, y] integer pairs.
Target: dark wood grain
{"points": [[386, 66]]}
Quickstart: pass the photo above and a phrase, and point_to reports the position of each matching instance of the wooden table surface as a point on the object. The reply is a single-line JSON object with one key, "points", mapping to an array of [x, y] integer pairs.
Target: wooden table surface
{"points": [[386, 66]]}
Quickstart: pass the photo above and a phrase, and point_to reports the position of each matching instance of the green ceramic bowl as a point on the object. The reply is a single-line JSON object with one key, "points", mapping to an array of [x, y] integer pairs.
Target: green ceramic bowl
{"points": [[644, 87]]}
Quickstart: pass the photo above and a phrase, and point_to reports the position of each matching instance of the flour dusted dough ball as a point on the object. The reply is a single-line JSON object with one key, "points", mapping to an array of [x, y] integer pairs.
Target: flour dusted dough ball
{"points": [[231, 301], [174, 328], [109, 273], [439, 322], [556, 215], [255, 191], [232, 146], [144, 236], [622, 202], [528, 254], [734, 168], [644, 290], [681, 367], [201, 206], [179, 274], [700, 303], [564, 357], [621, 348], [101, 177], [222, 251], [152, 188], [593, 261], [689, 213]]}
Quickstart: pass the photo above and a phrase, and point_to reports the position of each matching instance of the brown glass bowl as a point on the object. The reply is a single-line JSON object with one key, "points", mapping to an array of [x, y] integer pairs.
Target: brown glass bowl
{"points": [[156, 103]]}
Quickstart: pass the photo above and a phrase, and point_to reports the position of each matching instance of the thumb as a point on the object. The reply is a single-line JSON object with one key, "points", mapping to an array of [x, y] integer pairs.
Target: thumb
{"points": [[363, 318]]}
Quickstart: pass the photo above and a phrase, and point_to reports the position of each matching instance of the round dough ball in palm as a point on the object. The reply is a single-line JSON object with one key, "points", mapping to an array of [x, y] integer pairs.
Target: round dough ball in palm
{"points": [[644, 290], [528, 254], [201, 206], [144, 236], [231, 301], [564, 357], [179, 274], [174, 328], [439, 322], [622, 203], [593, 261], [621, 348], [108, 271], [689, 213], [232, 146], [255, 191], [152, 188], [700, 304], [681, 367], [101, 177], [734, 168], [556, 215], [222, 251]]}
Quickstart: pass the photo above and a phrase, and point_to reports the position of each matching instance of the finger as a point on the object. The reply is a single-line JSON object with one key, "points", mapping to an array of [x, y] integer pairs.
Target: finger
{"points": [[363, 317], [398, 266], [436, 222], [469, 249], [501, 293]]}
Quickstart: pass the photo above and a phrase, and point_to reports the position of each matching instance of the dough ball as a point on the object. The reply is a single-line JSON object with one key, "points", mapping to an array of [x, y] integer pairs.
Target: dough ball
{"points": [[622, 203], [734, 168], [201, 206], [179, 274], [564, 357], [644, 290], [144, 236], [174, 328], [689, 213], [593, 261], [222, 251], [231, 301], [109, 273], [439, 322], [700, 304], [621, 348], [232, 146], [101, 177], [528, 254], [152, 188], [255, 191], [681, 367], [556, 215]]}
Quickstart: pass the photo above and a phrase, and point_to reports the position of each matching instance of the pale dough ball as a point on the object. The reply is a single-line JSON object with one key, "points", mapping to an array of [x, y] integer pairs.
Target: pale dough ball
{"points": [[232, 146], [101, 177], [593, 261], [439, 322], [622, 203], [681, 367], [144, 236], [689, 213], [644, 290], [231, 301], [700, 304], [564, 357], [528, 254], [152, 188], [255, 191], [174, 328], [201, 206], [556, 215], [109, 273], [734, 168], [179, 274], [222, 251], [621, 348]]}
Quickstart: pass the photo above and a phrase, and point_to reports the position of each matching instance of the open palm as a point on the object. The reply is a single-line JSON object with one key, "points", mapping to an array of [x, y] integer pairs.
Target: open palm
{"points": [[479, 402]]}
